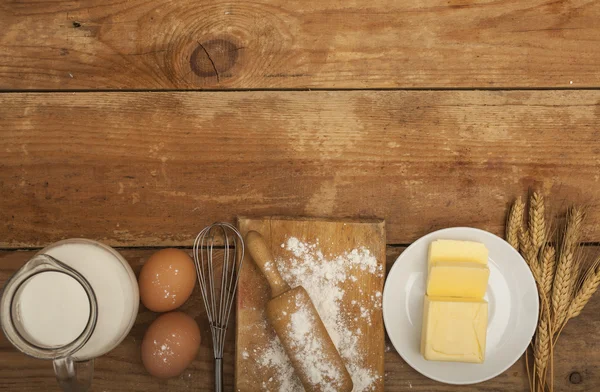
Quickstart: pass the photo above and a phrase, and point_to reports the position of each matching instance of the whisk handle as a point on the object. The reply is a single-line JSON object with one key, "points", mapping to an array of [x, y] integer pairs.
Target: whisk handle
{"points": [[260, 252], [218, 375]]}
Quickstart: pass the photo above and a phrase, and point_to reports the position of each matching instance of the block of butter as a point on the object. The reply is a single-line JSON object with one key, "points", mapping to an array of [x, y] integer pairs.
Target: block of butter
{"points": [[454, 329], [441, 251], [452, 279]]}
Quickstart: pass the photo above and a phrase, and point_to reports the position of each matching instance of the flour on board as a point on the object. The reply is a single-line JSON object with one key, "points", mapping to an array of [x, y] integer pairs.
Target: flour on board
{"points": [[321, 276]]}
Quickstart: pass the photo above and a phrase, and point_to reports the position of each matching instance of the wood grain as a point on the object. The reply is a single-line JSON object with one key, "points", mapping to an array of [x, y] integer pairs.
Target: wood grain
{"points": [[121, 369], [186, 44], [152, 169], [334, 238]]}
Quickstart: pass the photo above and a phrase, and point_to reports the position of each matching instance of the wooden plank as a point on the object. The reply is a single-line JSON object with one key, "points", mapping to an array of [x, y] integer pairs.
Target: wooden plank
{"points": [[186, 44], [152, 169], [121, 369], [333, 239]]}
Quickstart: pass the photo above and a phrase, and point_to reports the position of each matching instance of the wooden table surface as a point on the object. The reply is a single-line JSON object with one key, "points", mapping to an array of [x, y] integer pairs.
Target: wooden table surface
{"points": [[138, 122]]}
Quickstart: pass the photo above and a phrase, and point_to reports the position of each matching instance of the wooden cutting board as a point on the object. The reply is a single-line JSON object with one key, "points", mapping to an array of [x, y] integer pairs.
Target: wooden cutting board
{"points": [[360, 304]]}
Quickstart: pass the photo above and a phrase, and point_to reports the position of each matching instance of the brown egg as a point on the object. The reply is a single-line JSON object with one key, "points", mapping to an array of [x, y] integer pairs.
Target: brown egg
{"points": [[170, 344], [167, 280]]}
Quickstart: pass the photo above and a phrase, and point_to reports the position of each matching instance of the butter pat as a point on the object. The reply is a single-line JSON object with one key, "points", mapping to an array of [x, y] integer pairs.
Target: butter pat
{"points": [[454, 329], [443, 251], [467, 280]]}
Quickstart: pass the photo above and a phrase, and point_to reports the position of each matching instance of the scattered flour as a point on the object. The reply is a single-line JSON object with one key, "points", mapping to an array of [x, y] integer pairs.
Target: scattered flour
{"points": [[311, 357], [165, 351], [321, 277], [273, 356]]}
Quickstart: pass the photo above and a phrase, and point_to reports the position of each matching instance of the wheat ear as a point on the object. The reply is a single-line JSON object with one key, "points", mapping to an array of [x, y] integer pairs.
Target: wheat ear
{"points": [[515, 223], [589, 286], [529, 255], [542, 345], [566, 273], [547, 269], [537, 220]]}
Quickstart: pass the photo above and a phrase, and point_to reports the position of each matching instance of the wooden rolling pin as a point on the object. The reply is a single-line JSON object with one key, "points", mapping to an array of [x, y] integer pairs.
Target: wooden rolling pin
{"points": [[299, 327]]}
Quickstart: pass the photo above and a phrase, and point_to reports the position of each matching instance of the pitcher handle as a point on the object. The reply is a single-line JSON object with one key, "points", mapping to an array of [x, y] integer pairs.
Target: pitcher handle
{"points": [[74, 376]]}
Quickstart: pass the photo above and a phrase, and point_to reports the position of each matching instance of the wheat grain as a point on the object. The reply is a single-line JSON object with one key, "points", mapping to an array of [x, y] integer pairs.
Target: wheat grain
{"points": [[537, 220], [589, 286], [566, 273], [515, 223]]}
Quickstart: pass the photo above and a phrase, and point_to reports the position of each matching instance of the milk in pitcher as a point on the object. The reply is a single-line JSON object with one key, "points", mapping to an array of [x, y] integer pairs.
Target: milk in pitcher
{"points": [[53, 309]]}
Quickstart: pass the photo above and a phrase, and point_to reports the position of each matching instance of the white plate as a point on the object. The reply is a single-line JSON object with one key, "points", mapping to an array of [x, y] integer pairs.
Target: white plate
{"points": [[513, 308]]}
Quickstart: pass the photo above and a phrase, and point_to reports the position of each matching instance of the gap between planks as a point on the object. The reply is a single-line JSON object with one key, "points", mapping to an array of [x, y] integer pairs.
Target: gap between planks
{"points": [[325, 89]]}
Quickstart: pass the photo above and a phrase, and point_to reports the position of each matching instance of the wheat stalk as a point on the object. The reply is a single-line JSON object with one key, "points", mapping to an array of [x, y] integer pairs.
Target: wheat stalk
{"points": [[537, 220], [515, 223], [589, 286], [541, 261], [566, 274]]}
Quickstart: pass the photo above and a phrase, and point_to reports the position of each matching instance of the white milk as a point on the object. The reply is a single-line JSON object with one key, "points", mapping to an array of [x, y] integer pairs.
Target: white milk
{"points": [[56, 317], [54, 309]]}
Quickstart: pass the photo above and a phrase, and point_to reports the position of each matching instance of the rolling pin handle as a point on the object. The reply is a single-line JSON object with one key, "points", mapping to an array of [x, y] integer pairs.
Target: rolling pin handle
{"points": [[263, 258]]}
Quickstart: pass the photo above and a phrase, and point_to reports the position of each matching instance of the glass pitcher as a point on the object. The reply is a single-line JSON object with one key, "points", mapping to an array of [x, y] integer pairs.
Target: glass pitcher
{"points": [[72, 302]]}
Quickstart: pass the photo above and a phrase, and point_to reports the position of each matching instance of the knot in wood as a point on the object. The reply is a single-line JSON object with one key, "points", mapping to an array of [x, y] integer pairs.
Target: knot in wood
{"points": [[575, 378], [213, 58]]}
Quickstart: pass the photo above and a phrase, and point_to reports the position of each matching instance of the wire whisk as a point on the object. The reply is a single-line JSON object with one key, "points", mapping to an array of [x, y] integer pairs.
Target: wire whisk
{"points": [[218, 290]]}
